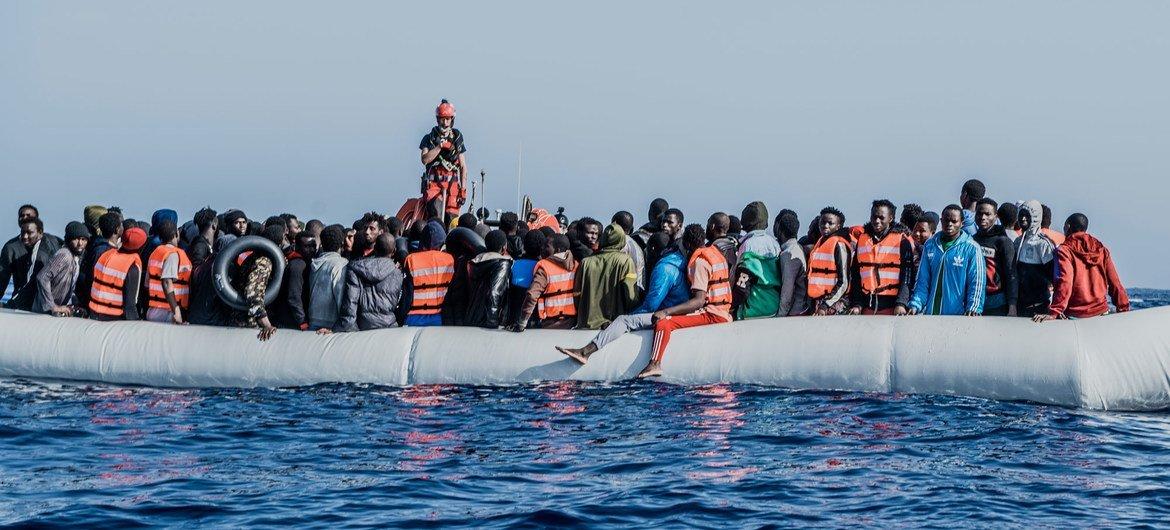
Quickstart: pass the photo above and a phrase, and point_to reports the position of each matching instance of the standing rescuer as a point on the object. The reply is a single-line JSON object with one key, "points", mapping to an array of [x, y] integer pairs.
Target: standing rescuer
{"points": [[446, 166]]}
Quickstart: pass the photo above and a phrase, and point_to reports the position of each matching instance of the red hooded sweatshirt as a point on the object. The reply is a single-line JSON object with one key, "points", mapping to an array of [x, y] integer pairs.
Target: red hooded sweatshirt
{"points": [[1084, 275]]}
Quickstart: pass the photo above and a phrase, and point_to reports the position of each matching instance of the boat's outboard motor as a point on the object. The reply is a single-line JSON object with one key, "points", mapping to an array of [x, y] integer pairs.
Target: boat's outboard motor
{"points": [[227, 257]]}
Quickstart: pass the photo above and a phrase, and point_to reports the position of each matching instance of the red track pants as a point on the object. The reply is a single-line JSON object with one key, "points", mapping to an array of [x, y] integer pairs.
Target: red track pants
{"points": [[664, 327]]}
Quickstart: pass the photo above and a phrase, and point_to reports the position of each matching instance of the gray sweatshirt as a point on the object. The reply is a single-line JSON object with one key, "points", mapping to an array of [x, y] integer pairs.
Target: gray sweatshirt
{"points": [[326, 287], [793, 280]]}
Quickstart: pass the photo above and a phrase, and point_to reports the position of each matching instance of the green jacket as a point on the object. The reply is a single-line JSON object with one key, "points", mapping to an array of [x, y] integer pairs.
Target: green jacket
{"points": [[763, 295], [606, 282]]}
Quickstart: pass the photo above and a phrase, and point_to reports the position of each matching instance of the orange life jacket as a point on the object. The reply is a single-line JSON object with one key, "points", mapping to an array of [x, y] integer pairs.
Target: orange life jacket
{"points": [[1056, 237], [880, 263], [430, 274], [855, 232], [557, 300], [109, 276], [543, 218], [822, 268], [181, 284], [719, 284]]}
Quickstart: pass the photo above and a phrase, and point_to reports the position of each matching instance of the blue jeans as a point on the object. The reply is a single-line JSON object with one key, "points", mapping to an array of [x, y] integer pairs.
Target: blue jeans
{"points": [[422, 321]]}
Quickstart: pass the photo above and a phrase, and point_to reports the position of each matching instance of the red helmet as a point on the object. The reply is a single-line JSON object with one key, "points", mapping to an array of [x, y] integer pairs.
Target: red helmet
{"points": [[445, 110]]}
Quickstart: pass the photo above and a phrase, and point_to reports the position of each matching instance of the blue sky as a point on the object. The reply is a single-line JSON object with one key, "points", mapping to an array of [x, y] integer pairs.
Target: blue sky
{"points": [[317, 108]]}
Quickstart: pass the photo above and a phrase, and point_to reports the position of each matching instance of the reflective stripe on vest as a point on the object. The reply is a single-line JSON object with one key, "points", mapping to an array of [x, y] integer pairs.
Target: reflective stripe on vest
{"points": [[109, 277], [880, 263], [557, 299], [180, 285], [718, 284], [822, 266], [430, 274]]}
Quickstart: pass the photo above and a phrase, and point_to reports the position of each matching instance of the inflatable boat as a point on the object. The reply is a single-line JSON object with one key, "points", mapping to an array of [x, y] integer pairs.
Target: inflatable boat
{"points": [[1117, 362]]}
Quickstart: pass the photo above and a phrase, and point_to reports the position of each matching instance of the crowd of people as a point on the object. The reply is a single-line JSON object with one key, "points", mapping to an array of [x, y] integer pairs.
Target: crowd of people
{"points": [[535, 270], [978, 257]]}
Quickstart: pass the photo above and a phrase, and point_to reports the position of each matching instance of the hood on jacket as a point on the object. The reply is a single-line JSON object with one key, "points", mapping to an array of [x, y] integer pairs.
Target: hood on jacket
{"points": [[164, 214], [1036, 211], [91, 214], [754, 217], [433, 236], [613, 239], [1086, 248], [486, 264], [488, 256], [564, 259], [373, 270], [1033, 247], [328, 257]]}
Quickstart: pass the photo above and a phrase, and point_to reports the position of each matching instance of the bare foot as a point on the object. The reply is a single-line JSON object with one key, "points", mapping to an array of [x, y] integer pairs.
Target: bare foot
{"points": [[576, 354], [651, 370]]}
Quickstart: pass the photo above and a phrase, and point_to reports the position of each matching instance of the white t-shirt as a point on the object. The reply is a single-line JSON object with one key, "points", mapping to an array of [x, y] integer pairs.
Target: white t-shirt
{"points": [[170, 270]]}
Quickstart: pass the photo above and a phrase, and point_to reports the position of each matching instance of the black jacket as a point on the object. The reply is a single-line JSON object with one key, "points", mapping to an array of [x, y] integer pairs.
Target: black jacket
{"points": [[206, 307], [16, 264], [455, 303], [290, 310], [200, 251], [515, 245], [1033, 285], [489, 278], [1000, 252]]}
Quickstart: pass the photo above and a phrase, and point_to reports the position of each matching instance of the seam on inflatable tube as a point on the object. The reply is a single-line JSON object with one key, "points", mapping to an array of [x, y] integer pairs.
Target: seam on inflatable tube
{"points": [[101, 368], [1079, 368], [408, 363]]}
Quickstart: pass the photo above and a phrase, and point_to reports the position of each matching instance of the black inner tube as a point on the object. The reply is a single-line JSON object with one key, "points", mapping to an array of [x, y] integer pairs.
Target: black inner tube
{"points": [[227, 257], [465, 242]]}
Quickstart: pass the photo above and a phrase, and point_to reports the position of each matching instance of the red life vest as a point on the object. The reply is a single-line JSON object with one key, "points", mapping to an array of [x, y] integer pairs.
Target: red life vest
{"points": [[109, 277], [181, 284], [822, 267], [718, 284], [880, 263], [430, 274], [557, 299]]}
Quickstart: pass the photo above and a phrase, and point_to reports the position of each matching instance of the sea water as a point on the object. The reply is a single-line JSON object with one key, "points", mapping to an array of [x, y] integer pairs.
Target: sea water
{"points": [[560, 454]]}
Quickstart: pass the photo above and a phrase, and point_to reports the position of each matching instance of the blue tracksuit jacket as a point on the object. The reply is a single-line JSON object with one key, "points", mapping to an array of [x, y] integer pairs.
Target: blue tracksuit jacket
{"points": [[964, 277], [668, 285]]}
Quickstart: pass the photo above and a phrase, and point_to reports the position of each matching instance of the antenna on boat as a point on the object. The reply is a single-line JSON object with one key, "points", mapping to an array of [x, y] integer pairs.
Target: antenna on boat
{"points": [[482, 188], [519, 171]]}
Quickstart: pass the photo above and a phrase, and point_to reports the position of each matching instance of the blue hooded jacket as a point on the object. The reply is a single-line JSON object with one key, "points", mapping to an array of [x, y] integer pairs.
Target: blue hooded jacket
{"points": [[964, 277], [158, 218], [668, 285]]}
